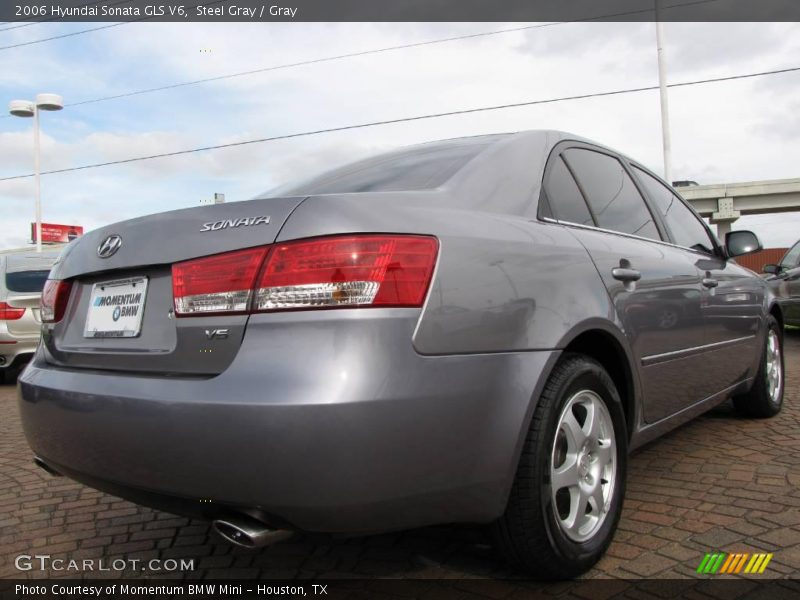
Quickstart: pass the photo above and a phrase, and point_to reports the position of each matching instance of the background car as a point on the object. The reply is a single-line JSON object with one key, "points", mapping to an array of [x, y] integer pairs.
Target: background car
{"points": [[22, 277], [784, 281], [469, 330]]}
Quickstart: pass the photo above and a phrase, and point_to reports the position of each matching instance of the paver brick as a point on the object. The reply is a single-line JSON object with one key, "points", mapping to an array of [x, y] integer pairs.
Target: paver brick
{"points": [[720, 482]]}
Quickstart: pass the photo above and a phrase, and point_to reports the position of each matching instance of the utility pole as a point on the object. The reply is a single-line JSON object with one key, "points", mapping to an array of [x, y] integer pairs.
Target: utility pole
{"points": [[662, 86], [27, 108], [38, 178]]}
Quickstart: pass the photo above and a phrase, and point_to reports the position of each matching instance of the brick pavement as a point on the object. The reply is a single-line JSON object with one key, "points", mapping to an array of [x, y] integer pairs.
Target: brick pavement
{"points": [[718, 483]]}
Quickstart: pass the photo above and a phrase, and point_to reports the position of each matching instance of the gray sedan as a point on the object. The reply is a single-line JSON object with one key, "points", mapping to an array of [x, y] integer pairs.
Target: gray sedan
{"points": [[784, 280], [470, 330]]}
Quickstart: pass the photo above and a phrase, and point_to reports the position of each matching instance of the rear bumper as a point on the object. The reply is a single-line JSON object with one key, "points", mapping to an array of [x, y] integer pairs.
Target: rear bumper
{"points": [[19, 343], [324, 421], [16, 353]]}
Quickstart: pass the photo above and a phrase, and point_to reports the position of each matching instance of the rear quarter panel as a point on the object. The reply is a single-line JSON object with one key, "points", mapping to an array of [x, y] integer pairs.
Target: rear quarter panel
{"points": [[502, 283]]}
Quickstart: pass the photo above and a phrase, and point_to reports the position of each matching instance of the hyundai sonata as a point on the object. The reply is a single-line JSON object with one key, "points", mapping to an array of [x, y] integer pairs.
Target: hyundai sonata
{"points": [[470, 330]]}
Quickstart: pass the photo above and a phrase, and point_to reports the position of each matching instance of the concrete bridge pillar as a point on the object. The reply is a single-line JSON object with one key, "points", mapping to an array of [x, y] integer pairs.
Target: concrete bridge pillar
{"points": [[724, 216]]}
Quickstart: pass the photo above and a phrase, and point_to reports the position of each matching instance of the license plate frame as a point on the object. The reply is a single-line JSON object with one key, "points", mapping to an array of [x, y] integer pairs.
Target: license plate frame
{"points": [[108, 303]]}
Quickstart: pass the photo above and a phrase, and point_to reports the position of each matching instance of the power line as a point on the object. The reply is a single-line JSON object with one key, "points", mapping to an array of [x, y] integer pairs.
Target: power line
{"points": [[82, 31], [405, 120], [63, 35], [26, 23], [609, 16], [309, 62], [341, 56]]}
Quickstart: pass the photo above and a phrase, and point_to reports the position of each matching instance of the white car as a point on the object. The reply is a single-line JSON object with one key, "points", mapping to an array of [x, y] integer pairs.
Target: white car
{"points": [[22, 277]]}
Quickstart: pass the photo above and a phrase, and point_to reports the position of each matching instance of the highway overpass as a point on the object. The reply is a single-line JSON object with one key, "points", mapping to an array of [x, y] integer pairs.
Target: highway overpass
{"points": [[725, 202]]}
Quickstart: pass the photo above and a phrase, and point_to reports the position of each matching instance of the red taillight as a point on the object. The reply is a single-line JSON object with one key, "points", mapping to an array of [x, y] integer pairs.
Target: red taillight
{"points": [[216, 284], [330, 272], [358, 270], [10, 313], [54, 300]]}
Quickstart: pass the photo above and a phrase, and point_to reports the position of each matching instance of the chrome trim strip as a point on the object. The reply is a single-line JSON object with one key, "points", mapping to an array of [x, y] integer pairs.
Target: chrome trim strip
{"points": [[622, 233], [667, 356]]}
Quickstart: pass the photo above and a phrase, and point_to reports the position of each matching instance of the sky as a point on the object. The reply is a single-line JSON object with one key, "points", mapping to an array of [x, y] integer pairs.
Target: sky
{"points": [[742, 130]]}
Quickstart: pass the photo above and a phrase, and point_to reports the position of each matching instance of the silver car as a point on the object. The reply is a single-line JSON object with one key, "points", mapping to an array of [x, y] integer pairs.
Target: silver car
{"points": [[22, 277], [472, 330]]}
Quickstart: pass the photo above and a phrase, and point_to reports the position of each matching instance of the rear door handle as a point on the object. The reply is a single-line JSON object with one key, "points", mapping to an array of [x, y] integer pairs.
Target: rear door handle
{"points": [[626, 274], [709, 282]]}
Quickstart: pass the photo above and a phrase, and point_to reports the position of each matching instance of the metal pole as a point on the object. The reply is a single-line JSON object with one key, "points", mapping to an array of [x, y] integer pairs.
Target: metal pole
{"points": [[662, 86], [37, 177]]}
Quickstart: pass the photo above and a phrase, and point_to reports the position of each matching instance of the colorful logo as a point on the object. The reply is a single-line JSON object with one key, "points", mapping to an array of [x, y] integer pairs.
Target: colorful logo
{"points": [[719, 563]]}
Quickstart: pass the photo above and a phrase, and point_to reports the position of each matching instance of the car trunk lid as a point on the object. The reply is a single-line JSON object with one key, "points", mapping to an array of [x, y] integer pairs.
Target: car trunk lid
{"points": [[120, 311]]}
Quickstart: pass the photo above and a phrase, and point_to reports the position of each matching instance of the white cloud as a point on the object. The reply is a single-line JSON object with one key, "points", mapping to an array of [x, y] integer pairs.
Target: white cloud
{"points": [[724, 132]]}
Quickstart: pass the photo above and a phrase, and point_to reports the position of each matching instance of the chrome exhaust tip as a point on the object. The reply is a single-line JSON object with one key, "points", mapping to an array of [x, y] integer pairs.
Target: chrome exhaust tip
{"points": [[39, 462], [248, 533]]}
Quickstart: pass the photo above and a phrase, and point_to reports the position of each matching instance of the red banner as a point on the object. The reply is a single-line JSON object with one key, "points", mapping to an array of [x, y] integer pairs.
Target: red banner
{"points": [[53, 233]]}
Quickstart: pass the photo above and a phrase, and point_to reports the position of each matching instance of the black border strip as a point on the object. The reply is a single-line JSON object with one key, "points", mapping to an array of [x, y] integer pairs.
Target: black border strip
{"points": [[21, 11], [742, 588]]}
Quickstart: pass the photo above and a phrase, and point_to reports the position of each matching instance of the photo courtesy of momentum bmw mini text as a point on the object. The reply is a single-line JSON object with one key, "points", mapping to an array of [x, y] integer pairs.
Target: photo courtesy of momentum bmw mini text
{"points": [[376, 299]]}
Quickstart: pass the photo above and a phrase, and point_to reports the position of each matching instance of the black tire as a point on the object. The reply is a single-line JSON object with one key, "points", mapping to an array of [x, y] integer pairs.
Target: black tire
{"points": [[758, 402], [529, 534], [9, 376]]}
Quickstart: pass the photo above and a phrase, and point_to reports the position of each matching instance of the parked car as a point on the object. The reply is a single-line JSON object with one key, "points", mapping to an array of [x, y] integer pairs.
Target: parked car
{"points": [[451, 332], [22, 277], [784, 281]]}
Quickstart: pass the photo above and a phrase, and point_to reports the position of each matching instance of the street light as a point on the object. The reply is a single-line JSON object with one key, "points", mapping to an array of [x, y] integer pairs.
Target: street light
{"points": [[26, 108]]}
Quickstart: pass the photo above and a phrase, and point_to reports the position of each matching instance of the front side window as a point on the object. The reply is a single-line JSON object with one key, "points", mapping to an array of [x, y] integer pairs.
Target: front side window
{"points": [[566, 200], [687, 230], [615, 202], [792, 258]]}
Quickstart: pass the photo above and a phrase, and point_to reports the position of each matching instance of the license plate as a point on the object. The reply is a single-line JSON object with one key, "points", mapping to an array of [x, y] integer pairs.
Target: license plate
{"points": [[116, 308]]}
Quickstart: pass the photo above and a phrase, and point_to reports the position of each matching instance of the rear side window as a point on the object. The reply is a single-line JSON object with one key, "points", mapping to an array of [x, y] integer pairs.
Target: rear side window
{"points": [[614, 200], [564, 197], [26, 281], [687, 230]]}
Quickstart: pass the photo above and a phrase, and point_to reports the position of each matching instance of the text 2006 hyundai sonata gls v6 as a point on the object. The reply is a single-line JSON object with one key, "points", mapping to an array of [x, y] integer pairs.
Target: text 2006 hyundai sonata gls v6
{"points": [[472, 330]]}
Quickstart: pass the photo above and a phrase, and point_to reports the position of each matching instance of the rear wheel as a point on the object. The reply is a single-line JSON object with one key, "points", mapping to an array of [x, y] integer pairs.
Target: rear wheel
{"points": [[765, 398], [9, 375], [567, 496]]}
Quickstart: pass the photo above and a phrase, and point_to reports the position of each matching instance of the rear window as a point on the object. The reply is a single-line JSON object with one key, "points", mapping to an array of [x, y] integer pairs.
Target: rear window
{"points": [[419, 168], [26, 281]]}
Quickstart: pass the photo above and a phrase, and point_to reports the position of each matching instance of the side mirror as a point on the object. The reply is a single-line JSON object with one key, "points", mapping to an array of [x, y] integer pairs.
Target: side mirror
{"points": [[742, 242], [772, 269]]}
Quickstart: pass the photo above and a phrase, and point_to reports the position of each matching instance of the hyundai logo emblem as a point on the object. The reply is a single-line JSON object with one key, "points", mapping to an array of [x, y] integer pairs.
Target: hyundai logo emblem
{"points": [[109, 246]]}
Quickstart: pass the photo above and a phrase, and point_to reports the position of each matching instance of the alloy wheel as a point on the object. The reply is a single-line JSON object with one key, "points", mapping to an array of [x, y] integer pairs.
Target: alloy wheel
{"points": [[774, 367], [583, 466]]}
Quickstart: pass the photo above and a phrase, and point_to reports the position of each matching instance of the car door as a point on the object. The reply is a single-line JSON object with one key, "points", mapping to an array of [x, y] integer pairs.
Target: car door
{"points": [[732, 297], [655, 287], [789, 284]]}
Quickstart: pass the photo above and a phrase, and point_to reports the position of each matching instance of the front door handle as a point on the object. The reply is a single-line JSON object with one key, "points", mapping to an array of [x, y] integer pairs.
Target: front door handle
{"points": [[709, 282], [626, 274]]}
